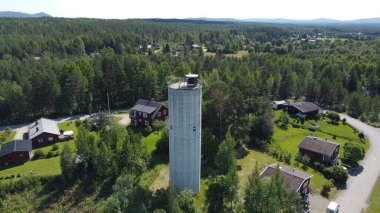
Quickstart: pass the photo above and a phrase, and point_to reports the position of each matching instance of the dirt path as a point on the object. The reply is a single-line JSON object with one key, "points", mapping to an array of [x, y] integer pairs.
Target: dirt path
{"points": [[162, 181]]}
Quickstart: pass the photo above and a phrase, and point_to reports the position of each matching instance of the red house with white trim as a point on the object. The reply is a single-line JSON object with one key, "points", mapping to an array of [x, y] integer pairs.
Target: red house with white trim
{"points": [[43, 131], [144, 113]]}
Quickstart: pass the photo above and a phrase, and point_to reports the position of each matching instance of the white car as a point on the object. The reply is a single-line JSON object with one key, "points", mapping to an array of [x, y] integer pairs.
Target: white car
{"points": [[333, 207]]}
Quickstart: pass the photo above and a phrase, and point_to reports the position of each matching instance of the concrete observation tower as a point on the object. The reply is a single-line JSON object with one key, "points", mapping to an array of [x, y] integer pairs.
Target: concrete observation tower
{"points": [[185, 115]]}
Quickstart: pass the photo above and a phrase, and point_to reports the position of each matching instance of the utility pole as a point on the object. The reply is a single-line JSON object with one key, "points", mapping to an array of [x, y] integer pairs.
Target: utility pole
{"points": [[108, 99]]}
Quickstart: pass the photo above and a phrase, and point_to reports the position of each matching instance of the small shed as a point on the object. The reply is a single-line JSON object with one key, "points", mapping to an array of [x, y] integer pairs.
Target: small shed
{"points": [[279, 104], [16, 151]]}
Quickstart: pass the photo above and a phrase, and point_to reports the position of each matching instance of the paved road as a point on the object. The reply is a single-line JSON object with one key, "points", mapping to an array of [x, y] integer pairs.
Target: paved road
{"points": [[359, 185]]}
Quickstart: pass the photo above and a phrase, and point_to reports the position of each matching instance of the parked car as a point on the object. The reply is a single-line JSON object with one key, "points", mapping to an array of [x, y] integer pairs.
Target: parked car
{"points": [[333, 207]]}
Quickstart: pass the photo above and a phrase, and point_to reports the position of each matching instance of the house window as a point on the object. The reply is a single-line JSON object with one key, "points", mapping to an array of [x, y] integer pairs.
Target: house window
{"points": [[164, 112], [134, 113], [21, 155], [50, 138], [140, 120], [135, 122], [146, 123], [158, 114], [139, 113], [40, 140], [194, 128], [145, 115]]}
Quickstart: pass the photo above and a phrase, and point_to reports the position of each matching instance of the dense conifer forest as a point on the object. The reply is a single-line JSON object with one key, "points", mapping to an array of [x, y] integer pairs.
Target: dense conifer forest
{"points": [[56, 66]]}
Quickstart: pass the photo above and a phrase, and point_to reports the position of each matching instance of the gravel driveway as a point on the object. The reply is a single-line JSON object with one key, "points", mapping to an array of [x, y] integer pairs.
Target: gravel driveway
{"points": [[360, 183]]}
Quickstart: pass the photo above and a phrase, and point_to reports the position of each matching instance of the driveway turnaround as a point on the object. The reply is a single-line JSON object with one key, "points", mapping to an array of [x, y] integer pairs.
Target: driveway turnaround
{"points": [[362, 180]]}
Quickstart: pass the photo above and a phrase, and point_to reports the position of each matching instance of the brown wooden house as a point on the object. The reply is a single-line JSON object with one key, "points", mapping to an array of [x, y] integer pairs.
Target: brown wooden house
{"points": [[43, 131], [294, 179], [16, 151], [318, 149], [303, 109], [144, 113]]}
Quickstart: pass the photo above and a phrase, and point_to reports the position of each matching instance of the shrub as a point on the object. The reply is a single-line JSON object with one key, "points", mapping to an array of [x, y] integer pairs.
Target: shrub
{"points": [[38, 154], [287, 156], [296, 125], [333, 116], [353, 152], [328, 172], [344, 120], [78, 123], [159, 125], [55, 147], [148, 129], [50, 154], [361, 136], [340, 175], [326, 190]]}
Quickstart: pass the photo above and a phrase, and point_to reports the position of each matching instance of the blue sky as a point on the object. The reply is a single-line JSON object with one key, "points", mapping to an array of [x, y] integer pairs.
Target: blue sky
{"points": [[121, 9]]}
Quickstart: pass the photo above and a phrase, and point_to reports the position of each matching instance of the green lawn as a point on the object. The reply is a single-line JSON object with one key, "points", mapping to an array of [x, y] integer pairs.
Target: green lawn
{"points": [[239, 54], [46, 166], [374, 199], [151, 141]]}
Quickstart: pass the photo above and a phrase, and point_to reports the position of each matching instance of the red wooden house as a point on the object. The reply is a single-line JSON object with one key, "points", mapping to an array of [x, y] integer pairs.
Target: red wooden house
{"points": [[294, 179], [318, 149], [144, 113], [16, 151], [43, 131]]}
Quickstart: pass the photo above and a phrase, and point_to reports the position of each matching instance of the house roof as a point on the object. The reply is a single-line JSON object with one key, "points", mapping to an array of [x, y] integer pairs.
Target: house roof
{"points": [[16, 146], [293, 178], [318, 145], [279, 102], [147, 106], [305, 106], [43, 125], [195, 46]]}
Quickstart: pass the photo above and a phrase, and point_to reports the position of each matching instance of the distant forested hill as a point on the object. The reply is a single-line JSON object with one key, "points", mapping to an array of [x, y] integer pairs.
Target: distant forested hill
{"points": [[11, 14], [59, 66]]}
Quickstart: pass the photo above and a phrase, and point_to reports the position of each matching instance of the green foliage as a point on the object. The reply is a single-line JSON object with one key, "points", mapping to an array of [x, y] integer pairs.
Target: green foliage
{"points": [[340, 175], [225, 159], [353, 152], [67, 164], [326, 190], [263, 196], [38, 154], [209, 146]]}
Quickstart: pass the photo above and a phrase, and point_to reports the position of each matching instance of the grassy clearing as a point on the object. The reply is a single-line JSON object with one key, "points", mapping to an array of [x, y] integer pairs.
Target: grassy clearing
{"points": [[42, 167], [239, 54], [151, 141], [374, 199]]}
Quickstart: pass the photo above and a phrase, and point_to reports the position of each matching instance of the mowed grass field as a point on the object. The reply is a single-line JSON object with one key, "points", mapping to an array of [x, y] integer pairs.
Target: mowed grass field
{"points": [[239, 54], [374, 199], [45, 166]]}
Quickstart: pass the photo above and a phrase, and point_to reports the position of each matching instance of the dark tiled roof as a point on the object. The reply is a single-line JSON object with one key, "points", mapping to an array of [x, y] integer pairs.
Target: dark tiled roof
{"points": [[293, 178], [16, 146], [146, 106], [305, 106], [318, 145], [43, 125]]}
